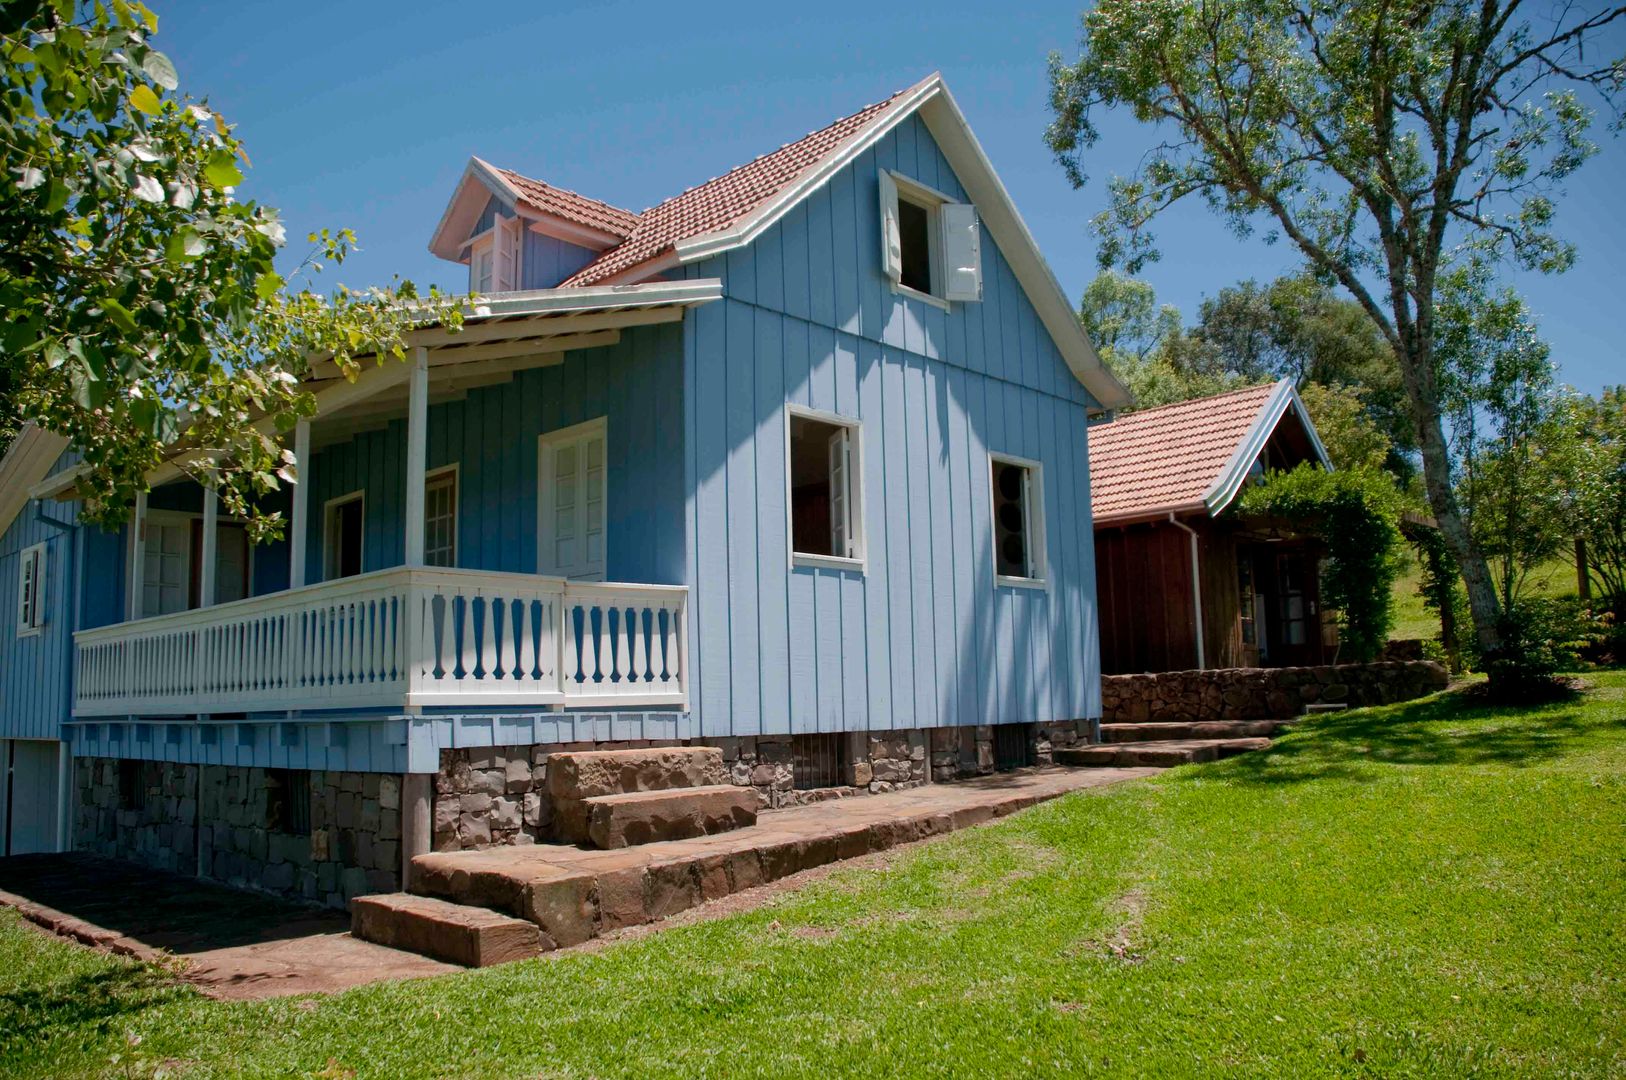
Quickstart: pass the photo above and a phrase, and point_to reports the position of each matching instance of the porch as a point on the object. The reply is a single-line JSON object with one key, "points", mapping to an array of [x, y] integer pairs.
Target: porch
{"points": [[453, 543]]}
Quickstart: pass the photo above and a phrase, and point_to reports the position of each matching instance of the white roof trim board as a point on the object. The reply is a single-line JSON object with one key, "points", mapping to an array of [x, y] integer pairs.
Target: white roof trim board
{"points": [[1235, 474], [27, 462], [948, 126]]}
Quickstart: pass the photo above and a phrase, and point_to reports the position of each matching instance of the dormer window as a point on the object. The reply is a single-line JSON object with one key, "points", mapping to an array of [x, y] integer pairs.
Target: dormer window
{"points": [[480, 269], [931, 246], [494, 257]]}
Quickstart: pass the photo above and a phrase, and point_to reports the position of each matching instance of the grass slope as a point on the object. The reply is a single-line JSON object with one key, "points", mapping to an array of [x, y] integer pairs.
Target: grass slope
{"points": [[1427, 889]]}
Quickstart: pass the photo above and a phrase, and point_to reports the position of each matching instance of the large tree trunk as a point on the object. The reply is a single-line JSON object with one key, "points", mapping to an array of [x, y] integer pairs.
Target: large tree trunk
{"points": [[1417, 373]]}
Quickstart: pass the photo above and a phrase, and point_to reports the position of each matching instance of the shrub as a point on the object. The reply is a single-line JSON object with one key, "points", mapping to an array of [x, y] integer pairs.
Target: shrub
{"points": [[1541, 637]]}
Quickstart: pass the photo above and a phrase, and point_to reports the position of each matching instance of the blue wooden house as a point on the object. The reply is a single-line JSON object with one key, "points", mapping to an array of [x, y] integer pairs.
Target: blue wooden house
{"points": [[793, 463]]}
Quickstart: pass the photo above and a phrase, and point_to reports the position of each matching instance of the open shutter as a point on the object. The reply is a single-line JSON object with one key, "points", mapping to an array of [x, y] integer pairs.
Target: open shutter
{"points": [[891, 238], [841, 533], [505, 255], [962, 252], [27, 569], [37, 612]]}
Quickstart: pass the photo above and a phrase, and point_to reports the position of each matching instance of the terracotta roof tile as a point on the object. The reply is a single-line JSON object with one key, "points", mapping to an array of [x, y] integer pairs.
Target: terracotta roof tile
{"points": [[720, 202], [573, 207], [1148, 463]]}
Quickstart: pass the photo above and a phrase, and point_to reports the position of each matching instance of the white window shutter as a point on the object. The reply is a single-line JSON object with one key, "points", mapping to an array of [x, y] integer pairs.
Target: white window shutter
{"points": [[25, 590], [891, 238], [505, 255], [37, 612], [841, 533], [962, 252]]}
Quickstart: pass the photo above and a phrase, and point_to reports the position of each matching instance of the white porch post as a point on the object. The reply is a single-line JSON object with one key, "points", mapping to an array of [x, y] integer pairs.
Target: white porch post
{"points": [[302, 499], [211, 529], [417, 454], [138, 560]]}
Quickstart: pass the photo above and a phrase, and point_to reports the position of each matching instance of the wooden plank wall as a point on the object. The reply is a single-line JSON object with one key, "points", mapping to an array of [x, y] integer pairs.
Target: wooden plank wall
{"points": [[922, 636]]}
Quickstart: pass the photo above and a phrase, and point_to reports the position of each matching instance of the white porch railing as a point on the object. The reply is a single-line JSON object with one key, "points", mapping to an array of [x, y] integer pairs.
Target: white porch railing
{"points": [[397, 638]]}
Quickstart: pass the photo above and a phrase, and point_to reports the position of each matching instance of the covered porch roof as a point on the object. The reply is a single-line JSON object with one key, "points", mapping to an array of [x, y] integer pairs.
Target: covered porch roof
{"points": [[500, 336]]}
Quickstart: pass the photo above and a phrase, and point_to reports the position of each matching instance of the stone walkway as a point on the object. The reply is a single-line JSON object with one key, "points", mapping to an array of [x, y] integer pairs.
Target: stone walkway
{"points": [[575, 894], [235, 944]]}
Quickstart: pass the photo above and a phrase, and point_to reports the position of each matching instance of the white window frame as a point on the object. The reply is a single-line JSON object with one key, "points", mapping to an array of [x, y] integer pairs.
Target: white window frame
{"points": [[359, 495], [855, 493], [33, 563], [1034, 528], [455, 472], [545, 444], [482, 245], [910, 190]]}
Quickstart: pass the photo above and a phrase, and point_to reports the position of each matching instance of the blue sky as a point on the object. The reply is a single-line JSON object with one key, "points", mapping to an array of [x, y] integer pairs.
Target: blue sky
{"points": [[363, 114]]}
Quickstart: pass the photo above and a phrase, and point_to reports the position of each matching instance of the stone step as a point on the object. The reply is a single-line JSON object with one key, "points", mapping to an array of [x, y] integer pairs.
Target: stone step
{"points": [[456, 933], [588, 774], [1195, 729], [650, 817], [1159, 753]]}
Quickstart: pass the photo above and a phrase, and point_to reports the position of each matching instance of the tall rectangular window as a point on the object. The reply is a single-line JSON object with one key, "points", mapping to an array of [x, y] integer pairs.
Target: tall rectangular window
{"points": [[823, 475], [571, 529], [440, 518], [31, 591], [341, 537], [1018, 506], [480, 269]]}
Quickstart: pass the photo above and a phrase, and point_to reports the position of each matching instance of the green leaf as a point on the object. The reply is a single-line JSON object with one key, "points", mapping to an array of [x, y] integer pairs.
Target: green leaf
{"points": [[160, 70], [184, 246], [142, 99], [266, 285], [57, 197], [119, 314], [147, 189], [222, 170]]}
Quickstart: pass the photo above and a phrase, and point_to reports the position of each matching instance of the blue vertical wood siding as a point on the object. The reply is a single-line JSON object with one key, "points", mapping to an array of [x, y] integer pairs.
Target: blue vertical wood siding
{"points": [[492, 436], [922, 636]]}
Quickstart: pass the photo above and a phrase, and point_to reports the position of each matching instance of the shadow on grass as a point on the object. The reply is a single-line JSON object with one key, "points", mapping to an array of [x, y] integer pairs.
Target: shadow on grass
{"points": [[1450, 729], [96, 1000]]}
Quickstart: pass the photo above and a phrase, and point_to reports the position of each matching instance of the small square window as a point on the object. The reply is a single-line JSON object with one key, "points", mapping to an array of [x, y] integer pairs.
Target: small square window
{"points": [[1018, 504], [826, 515], [288, 801]]}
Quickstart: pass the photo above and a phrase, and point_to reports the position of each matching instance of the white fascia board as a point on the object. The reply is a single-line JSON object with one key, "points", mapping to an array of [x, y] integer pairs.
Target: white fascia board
{"points": [[1231, 478], [598, 298], [447, 241], [931, 98], [27, 462]]}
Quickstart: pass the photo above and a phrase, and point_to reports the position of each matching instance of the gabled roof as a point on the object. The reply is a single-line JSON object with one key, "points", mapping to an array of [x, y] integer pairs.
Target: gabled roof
{"points": [[732, 210], [572, 207], [590, 223], [1189, 457], [28, 461]]}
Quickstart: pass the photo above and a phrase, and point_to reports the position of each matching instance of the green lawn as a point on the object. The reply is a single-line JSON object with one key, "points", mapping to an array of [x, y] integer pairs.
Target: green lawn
{"points": [[1413, 620], [1428, 889]]}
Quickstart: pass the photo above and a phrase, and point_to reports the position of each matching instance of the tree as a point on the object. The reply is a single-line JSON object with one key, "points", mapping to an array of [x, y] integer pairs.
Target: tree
{"points": [[1600, 497], [1124, 319], [1340, 416], [1375, 137], [144, 311]]}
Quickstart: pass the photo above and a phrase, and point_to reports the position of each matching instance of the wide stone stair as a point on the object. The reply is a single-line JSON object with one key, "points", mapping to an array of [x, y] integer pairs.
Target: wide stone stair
{"points": [[478, 913], [1165, 743]]}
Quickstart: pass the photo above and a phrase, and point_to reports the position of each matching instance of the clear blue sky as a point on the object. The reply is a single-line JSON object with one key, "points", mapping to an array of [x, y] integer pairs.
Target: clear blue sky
{"points": [[363, 114]]}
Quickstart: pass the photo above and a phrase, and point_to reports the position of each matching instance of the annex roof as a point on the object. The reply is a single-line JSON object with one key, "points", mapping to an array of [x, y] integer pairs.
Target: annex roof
{"points": [[735, 208], [1189, 457], [27, 461]]}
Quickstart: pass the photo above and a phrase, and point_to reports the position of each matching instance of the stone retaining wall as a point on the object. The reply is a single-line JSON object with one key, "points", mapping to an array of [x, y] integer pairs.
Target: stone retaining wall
{"points": [[1262, 693]]}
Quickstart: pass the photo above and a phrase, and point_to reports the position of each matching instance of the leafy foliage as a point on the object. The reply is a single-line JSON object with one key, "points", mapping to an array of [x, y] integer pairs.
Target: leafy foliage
{"points": [[1599, 505], [144, 310], [1355, 514], [1376, 138], [1542, 636]]}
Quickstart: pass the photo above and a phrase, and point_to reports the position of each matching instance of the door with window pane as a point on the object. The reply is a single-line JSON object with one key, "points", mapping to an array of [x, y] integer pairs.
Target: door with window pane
{"points": [[166, 572], [572, 505]]}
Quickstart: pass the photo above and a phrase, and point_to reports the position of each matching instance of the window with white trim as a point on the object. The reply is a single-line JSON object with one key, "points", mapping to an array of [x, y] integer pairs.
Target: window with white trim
{"points": [[824, 481], [1018, 505], [575, 491], [342, 536], [480, 268], [31, 573], [440, 517], [494, 258], [931, 246]]}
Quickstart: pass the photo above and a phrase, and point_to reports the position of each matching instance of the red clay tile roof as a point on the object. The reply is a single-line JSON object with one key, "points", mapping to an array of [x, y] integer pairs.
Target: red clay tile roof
{"points": [[573, 207], [1147, 463], [720, 202]]}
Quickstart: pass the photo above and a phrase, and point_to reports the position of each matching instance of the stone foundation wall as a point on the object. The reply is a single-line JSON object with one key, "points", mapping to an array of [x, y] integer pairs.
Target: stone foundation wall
{"points": [[1262, 693], [159, 828], [499, 795], [354, 845]]}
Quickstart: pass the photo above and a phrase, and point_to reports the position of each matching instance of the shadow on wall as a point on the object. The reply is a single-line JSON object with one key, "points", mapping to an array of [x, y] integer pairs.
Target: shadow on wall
{"points": [[1447, 729]]}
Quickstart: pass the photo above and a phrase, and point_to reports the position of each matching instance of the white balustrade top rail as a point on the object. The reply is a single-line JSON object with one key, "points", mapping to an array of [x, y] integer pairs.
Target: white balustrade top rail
{"points": [[397, 638]]}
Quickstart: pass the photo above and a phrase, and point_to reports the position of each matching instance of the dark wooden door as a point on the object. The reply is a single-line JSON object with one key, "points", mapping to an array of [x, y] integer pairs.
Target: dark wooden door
{"points": [[1297, 631]]}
